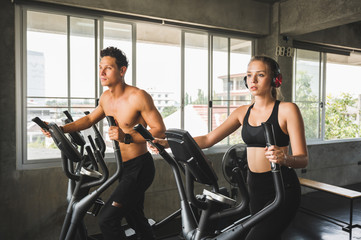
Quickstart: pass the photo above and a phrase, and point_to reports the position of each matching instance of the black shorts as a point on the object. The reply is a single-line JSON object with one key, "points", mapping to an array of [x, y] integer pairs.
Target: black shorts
{"points": [[138, 175]]}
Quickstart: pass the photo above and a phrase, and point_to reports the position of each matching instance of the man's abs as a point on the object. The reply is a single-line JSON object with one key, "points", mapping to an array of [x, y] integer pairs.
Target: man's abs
{"points": [[132, 150]]}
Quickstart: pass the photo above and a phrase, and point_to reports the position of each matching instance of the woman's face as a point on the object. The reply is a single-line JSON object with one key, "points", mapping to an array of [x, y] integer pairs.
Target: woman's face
{"points": [[258, 78]]}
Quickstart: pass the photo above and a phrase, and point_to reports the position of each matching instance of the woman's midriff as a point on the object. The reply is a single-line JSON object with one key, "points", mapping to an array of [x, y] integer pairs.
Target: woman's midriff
{"points": [[257, 161]]}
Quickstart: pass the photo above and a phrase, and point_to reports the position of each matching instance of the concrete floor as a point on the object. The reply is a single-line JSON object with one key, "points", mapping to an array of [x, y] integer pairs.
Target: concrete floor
{"points": [[309, 227]]}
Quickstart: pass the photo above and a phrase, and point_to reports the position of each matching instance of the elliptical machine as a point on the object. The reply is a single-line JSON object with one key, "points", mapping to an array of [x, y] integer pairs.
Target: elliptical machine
{"points": [[83, 176], [199, 169], [81, 165]]}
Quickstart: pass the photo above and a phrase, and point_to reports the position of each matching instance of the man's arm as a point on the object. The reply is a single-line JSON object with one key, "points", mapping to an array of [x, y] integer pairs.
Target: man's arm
{"points": [[86, 121], [151, 116]]}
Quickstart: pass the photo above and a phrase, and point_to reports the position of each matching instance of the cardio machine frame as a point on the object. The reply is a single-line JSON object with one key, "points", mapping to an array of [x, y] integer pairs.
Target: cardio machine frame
{"points": [[84, 176], [198, 169]]}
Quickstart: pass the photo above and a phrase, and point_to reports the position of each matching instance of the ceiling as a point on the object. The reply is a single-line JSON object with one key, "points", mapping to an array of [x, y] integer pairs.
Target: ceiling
{"points": [[267, 1]]}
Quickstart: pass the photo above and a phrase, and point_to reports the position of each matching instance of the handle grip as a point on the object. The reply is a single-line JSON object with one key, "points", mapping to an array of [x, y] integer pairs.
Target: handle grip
{"points": [[67, 114], [270, 140], [147, 136], [41, 124], [111, 122]]}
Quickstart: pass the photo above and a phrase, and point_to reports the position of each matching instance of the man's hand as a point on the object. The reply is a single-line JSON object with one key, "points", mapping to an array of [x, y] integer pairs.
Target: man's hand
{"points": [[45, 132], [116, 133], [163, 142]]}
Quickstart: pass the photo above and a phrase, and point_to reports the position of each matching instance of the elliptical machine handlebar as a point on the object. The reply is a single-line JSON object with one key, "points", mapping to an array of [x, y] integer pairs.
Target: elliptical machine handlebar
{"points": [[111, 122], [148, 136], [270, 140], [41, 124], [278, 184], [98, 138], [186, 212]]}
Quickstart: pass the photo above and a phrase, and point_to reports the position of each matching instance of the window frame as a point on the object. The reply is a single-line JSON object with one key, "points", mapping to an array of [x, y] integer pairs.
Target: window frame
{"points": [[99, 18], [322, 94]]}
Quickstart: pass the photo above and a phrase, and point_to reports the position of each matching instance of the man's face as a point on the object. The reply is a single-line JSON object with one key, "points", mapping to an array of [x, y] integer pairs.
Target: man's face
{"points": [[109, 73]]}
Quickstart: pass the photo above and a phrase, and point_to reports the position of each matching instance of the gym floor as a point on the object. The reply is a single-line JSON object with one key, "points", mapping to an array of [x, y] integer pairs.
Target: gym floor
{"points": [[309, 227]]}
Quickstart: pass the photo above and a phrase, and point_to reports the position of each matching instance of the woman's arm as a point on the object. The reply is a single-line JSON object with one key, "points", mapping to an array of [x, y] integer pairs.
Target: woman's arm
{"points": [[296, 131], [232, 123]]}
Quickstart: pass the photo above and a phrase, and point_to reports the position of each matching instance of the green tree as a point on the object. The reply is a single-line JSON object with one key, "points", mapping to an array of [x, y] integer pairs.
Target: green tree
{"points": [[201, 98], [168, 111], [340, 122], [308, 104]]}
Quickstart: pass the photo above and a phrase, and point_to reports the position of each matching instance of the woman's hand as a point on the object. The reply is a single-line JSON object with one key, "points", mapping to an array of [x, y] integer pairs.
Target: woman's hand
{"points": [[162, 142], [275, 154]]}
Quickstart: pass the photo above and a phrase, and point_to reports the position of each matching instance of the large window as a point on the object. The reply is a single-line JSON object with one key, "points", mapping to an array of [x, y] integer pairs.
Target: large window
{"points": [[60, 74], [328, 92], [194, 77]]}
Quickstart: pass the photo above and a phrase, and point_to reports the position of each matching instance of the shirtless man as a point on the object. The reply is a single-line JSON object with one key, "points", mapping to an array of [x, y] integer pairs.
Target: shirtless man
{"points": [[129, 106]]}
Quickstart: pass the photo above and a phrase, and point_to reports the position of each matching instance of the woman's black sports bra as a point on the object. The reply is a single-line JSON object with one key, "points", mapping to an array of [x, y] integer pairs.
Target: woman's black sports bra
{"points": [[254, 136]]}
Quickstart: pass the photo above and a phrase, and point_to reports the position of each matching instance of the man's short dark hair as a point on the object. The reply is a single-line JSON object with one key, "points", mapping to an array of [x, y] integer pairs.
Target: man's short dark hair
{"points": [[120, 58]]}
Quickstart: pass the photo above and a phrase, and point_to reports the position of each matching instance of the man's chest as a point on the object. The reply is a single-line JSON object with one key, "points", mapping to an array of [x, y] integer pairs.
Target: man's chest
{"points": [[124, 112]]}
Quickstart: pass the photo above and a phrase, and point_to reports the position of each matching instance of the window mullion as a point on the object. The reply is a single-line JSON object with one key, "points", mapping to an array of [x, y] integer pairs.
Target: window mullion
{"points": [[96, 50], [210, 77], [68, 62], [323, 93], [182, 79]]}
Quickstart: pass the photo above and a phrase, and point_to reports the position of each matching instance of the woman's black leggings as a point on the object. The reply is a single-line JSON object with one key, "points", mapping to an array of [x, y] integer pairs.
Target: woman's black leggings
{"points": [[262, 193], [138, 175]]}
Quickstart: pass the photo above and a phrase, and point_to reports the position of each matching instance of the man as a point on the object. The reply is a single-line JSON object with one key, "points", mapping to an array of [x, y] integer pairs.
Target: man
{"points": [[129, 106]]}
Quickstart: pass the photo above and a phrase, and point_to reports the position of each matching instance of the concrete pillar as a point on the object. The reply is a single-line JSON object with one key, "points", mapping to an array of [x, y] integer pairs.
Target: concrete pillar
{"points": [[275, 45]]}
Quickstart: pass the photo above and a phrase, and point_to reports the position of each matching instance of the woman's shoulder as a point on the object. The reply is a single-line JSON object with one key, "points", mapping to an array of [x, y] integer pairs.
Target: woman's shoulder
{"points": [[288, 105], [243, 108], [289, 109], [240, 112]]}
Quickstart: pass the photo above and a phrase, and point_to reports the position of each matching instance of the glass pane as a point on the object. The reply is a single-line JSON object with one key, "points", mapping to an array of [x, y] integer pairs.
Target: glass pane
{"points": [[82, 57], [310, 113], [79, 106], [307, 88], [196, 84], [46, 55], [240, 54], [119, 35], [343, 96], [40, 147], [221, 83], [46, 79], [47, 102], [229, 91], [158, 69]]}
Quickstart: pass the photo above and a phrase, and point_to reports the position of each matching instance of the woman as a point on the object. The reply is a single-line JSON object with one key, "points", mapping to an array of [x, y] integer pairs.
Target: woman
{"points": [[263, 78]]}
